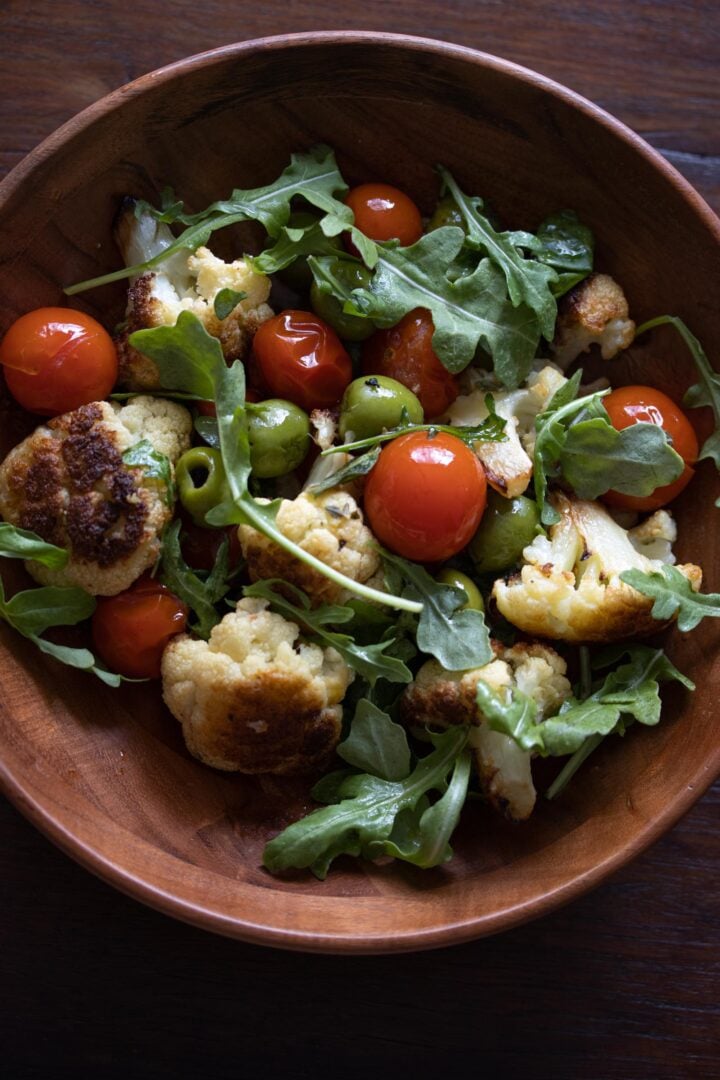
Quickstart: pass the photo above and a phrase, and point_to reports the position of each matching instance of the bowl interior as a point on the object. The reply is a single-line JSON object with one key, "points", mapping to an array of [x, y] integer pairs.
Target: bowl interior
{"points": [[105, 772]]}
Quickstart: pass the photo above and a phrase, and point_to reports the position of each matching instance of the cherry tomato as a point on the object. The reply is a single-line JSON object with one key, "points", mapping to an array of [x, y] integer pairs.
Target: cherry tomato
{"points": [[405, 353], [425, 496], [635, 404], [57, 359], [200, 545], [131, 630], [384, 212], [302, 360]]}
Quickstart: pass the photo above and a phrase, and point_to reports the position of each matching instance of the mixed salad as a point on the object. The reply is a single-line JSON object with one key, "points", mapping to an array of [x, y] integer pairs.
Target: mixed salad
{"points": [[350, 499]]}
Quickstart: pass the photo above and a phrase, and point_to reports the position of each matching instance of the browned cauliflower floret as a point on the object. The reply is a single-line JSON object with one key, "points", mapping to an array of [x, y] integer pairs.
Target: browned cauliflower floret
{"points": [[508, 465], [68, 483], [253, 699], [330, 527], [595, 312], [439, 699], [184, 282], [569, 587]]}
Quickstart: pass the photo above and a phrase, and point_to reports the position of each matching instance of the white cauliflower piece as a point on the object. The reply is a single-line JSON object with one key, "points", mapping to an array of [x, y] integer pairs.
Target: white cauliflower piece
{"points": [[439, 698], [329, 526], [595, 312], [184, 282], [68, 483], [655, 536], [508, 464], [323, 427], [254, 699], [569, 587]]}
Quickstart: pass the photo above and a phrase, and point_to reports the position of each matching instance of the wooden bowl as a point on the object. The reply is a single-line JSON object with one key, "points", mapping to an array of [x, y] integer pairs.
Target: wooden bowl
{"points": [[104, 773]]}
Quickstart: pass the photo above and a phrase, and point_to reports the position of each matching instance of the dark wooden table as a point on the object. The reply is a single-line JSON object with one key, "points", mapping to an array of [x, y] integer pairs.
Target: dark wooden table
{"points": [[623, 983]]}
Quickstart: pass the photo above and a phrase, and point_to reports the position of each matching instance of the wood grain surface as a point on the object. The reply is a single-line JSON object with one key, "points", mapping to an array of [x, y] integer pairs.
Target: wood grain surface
{"points": [[620, 984]]}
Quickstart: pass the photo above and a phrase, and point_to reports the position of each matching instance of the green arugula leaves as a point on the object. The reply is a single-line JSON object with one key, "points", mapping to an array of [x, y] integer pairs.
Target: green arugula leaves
{"points": [[628, 693], [376, 744], [369, 661], [457, 637], [673, 593], [155, 465], [705, 392], [201, 592], [190, 360], [34, 611], [18, 543], [371, 816], [577, 443], [226, 301]]}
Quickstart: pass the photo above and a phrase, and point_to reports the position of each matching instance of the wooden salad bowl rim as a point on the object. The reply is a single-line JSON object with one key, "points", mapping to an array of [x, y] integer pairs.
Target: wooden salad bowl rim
{"points": [[91, 848]]}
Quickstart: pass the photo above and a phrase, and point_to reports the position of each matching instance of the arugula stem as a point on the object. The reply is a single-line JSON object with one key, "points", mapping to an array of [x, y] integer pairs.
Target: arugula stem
{"points": [[408, 429], [572, 765]]}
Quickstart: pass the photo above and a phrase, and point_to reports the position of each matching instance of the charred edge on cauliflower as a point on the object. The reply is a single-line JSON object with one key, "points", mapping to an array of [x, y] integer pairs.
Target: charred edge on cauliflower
{"points": [[595, 312], [254, 699]]}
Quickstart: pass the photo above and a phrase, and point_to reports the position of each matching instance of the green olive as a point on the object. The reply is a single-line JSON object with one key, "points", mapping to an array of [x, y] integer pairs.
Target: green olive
{"points": [[507, 526], [446, 213], [461, 581], [298, 275], [201, 481], [374, 404], [353, 275], [279, 434]]}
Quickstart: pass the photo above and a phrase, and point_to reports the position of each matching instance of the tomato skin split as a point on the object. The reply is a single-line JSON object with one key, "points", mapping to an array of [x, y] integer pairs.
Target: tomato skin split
{"points": [[644, 404], [425, 496], [57, 359], [302, 360], [405, 353]]}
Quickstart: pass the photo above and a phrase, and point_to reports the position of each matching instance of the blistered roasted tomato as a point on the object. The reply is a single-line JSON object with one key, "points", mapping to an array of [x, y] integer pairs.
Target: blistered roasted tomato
{"points": [[384, 212], [56, 360], [644, 404], [425, 496], [131, 630], [301, 359], [405, 353]]}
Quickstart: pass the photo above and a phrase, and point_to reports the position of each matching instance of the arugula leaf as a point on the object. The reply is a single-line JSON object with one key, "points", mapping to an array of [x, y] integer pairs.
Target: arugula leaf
{"points": [[292, 244], [567, 245], [491, 429], [157, 466], [576, 441], [370, 661], [312, 175], [706, 392], [672, 592], [200, 593], [226, 301], [33, 611], [22, 544], [528, 282], [376, 744], [359, 466], [631, 690], [366, 820], [190, 359], [457, 638], [471, 310]]}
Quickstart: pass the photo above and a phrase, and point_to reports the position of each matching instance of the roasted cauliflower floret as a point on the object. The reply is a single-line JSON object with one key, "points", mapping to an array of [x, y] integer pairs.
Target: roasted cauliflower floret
{"points": [[253, 699], [439, 698], [185, 282], [330, 527], [595, 312], [569, 587], [68, 483], [508, 464]]}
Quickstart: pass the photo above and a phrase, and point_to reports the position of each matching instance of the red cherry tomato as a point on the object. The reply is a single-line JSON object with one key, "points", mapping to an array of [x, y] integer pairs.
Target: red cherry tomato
{"points": [[425, 496], [131, 630], [57, 359], [405, 353], [384, 212], [635, 404], [302, 360]]}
